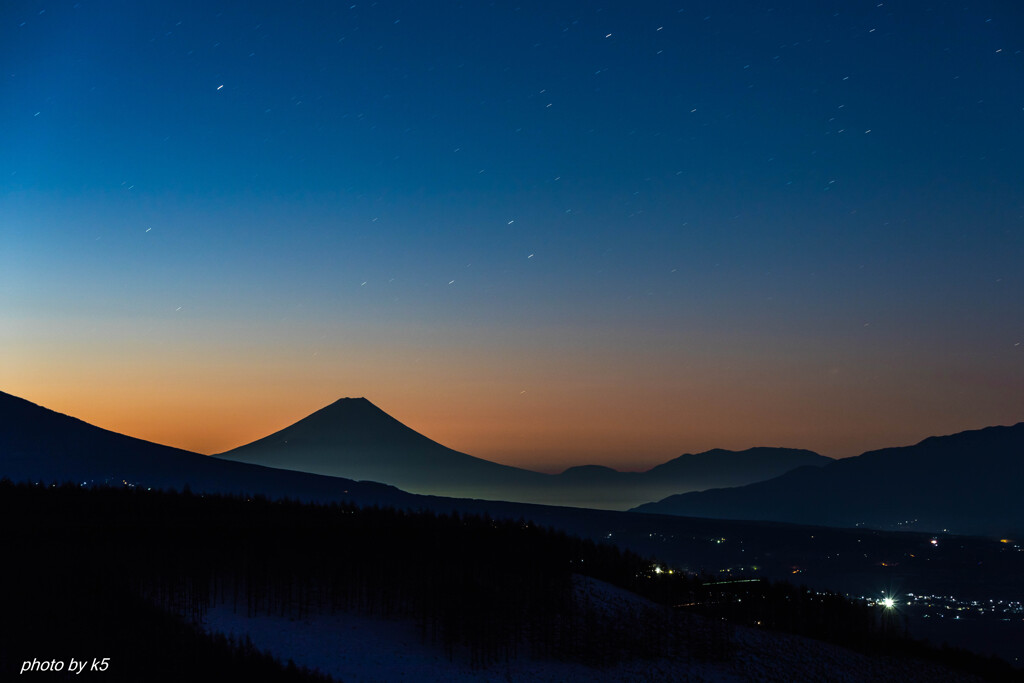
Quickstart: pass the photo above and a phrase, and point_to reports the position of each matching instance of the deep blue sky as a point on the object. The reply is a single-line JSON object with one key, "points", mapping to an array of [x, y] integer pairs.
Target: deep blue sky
{"points": [[542, 232]]}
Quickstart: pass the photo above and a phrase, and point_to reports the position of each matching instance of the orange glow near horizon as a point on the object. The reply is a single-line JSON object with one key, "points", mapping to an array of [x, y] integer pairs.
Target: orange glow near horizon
{"points": [[528, 409], [608, 273], [544, 399]]}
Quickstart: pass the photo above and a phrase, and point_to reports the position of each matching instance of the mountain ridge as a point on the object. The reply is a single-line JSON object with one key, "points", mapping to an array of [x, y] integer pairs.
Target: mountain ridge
{"points": [[42, 445], [355, 439], [967, 482], [72, 447], [377, 447]]}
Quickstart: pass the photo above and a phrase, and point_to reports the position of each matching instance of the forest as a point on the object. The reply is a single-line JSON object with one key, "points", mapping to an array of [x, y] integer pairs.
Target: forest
{"points": [[128, 574]]}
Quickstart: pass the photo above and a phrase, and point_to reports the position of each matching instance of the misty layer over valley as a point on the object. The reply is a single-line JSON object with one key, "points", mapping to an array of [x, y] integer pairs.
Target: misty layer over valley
{"points": [[353, 438]]}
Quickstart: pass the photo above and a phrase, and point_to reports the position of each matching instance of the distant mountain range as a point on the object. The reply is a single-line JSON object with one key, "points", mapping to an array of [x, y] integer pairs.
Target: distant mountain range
{"points": [[968, 483], [320, 458], [355, 439]]}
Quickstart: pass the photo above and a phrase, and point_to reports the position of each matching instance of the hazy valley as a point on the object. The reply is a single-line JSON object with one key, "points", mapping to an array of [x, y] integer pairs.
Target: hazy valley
{"points": [[354, 439]]}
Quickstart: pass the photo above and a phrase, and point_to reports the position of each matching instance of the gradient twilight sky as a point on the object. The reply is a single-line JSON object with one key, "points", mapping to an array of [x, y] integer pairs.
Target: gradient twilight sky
{"points": [[544, 233]]}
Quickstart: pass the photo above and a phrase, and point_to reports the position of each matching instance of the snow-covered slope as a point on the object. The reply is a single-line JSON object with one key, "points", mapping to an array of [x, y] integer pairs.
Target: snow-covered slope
{"points": [[359, 649]]}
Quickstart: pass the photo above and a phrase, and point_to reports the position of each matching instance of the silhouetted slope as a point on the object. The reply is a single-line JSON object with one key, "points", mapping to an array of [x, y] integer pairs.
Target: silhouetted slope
{"points": [[969, 482], [712, 468], [38, 444], [353, 438], [603, 487]]}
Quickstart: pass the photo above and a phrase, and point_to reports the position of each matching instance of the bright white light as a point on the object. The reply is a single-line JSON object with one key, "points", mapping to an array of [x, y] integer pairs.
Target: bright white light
{"points": [[888, 603]]}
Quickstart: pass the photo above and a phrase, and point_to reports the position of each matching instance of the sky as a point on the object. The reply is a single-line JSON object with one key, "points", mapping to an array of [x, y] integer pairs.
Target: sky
{"points": [[544, 233]]}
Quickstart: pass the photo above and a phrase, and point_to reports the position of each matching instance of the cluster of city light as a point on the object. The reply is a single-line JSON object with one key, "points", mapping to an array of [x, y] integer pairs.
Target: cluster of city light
{"points": [[940, 605]]}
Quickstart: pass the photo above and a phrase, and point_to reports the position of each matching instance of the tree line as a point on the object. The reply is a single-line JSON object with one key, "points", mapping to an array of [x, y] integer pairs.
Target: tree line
{"points": [[107, 567]]}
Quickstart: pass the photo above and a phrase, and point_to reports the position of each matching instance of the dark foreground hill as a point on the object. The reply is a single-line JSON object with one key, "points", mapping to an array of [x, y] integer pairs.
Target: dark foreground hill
{"points": [[967, 483], [355, 439], [480, 591]]}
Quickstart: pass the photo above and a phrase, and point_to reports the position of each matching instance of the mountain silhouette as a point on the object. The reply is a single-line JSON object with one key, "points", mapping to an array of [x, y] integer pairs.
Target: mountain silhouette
{"points": [[320, 457], [355, 439], [41, 445], [604, 487], [967, 483], [715, 467]]}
